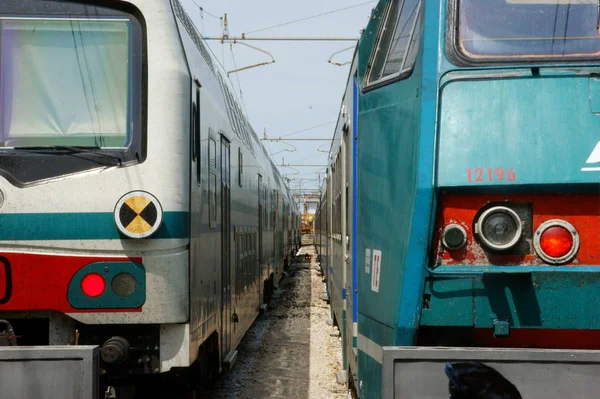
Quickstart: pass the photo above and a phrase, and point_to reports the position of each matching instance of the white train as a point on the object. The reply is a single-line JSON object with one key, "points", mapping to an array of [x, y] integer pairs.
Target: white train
{"points": [[139, 210]]}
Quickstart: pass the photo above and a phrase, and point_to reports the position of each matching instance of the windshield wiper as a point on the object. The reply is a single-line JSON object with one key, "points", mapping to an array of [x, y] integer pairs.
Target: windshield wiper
{"points": [[71, 150], [598, 18]]}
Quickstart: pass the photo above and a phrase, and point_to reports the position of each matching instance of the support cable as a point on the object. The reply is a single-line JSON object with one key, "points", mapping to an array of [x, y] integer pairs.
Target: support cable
{"points": [[307, 129], [238, 81], [204, 11], [311, 17]]}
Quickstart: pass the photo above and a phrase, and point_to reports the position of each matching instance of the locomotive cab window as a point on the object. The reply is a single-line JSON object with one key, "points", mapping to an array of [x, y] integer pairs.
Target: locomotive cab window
{"points": [[398, 40], [65, 81], [521, 30], [72, 80]]}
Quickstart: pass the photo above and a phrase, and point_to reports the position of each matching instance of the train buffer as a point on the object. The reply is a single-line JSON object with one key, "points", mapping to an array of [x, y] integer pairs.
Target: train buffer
{"points": [[47, 372], [430, 372]]}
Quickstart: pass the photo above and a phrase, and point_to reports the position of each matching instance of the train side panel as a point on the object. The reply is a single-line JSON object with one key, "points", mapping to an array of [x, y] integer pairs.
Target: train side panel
{"points": [[389, 278], [344, 303], [421, 132], [235, 192]]}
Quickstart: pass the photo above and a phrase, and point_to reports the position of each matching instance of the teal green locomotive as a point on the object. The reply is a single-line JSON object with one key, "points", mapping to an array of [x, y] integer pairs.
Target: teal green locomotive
{"points": [[460, 222]]}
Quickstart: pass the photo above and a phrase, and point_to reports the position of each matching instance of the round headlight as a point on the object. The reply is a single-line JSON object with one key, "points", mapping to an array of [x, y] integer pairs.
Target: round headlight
{"points": [[454, 237], [124, 284], [499, 228]]}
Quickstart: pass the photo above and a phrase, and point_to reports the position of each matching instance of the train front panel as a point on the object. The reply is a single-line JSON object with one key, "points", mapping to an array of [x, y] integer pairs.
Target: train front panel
{"points": [[478, 189], [94, 180], [517, 214]]}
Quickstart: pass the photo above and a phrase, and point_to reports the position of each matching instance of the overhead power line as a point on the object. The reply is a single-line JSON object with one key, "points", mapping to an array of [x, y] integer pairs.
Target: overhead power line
{"points": [[238, 80], [311, 17], [302, 139], [238, 39], [204, 11], [309, 128]]}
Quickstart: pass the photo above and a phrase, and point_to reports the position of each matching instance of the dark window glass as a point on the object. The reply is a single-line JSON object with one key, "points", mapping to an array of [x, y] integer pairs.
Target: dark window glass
{"points": [[212, 153], [503, 29], [213, 198], [241, 166], [397, 43]]}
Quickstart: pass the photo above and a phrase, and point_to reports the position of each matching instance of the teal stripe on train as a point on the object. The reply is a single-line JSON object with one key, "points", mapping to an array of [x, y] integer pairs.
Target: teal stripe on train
{"points": [[80, 226]]}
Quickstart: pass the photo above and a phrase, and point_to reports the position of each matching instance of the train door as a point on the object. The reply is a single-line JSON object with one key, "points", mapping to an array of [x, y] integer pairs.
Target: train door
{"points": [[195, 206], [350, 187], [226, 321], [261, 272], [330, 229], [276, 249]]}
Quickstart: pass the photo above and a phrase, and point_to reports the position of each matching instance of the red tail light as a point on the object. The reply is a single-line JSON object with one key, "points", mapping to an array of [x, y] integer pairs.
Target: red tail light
{"points": [[556, 241], [93, 285]]}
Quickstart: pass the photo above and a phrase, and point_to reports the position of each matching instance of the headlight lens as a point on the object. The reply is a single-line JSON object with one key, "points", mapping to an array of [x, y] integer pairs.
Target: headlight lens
{"points": [[124, 284], [499, 228], [454, 237]]}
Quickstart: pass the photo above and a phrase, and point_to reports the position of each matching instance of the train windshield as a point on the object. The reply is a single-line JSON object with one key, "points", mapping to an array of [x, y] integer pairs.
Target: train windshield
{"points": [[529, 29], [65, 82]]}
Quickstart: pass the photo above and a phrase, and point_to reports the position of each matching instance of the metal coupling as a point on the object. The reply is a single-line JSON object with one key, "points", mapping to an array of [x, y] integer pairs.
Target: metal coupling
{"points": [[115, 350]]}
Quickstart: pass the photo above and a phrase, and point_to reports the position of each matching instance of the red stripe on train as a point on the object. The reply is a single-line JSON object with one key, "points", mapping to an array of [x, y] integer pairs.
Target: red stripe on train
{"points": [[41, 282], [538, 338]]}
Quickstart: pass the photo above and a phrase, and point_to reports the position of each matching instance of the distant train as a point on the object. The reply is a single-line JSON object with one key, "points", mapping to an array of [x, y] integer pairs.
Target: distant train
{"points": [[138, 209], [461, 210]]}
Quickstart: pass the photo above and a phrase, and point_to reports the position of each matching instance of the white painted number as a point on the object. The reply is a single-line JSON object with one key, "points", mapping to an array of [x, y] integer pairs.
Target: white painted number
{"points": [[368, 260], [376, 270]]}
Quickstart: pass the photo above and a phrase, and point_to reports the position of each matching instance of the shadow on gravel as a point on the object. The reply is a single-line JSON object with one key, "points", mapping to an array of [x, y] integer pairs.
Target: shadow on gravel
{"points": [[274, 356]]}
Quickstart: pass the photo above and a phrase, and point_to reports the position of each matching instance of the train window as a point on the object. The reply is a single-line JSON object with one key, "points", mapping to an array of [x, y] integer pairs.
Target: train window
{"points": [[197, 137], [212, 153], [212, 182], [527, 29], [70, 82], [265, 211], [72, 74], [240, 166], [275, 212], [397, 43], [193, 132], [225, 162], [238, 259], [212, 198]]}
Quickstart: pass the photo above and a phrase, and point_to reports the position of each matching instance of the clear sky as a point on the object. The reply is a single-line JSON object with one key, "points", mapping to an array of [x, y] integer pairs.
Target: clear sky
{"points": [[301, 89]]}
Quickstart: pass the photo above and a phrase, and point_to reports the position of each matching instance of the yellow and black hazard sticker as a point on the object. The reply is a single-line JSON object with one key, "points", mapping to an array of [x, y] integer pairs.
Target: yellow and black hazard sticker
{"points": [[138, 214]]}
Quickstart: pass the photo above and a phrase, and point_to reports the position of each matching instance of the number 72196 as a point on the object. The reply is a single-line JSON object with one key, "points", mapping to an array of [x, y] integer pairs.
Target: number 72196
{"points": [[481, 175]]}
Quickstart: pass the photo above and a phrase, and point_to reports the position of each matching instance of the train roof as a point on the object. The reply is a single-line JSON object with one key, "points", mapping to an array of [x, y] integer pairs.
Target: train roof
{"points": [[239, 121], [335, 143]]}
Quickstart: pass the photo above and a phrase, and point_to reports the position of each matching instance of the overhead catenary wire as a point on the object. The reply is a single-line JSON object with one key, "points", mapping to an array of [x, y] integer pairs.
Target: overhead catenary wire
{"points": [[215, 57], [204, 11], [311, 17], [224, 62], [238, 81], [225, 70], [307, 129], [309, 158]]}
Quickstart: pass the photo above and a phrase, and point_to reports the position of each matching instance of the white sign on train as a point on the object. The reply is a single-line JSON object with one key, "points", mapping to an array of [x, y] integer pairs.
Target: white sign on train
{"points": [[368, 260], [376, 270], [593, 160]]}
